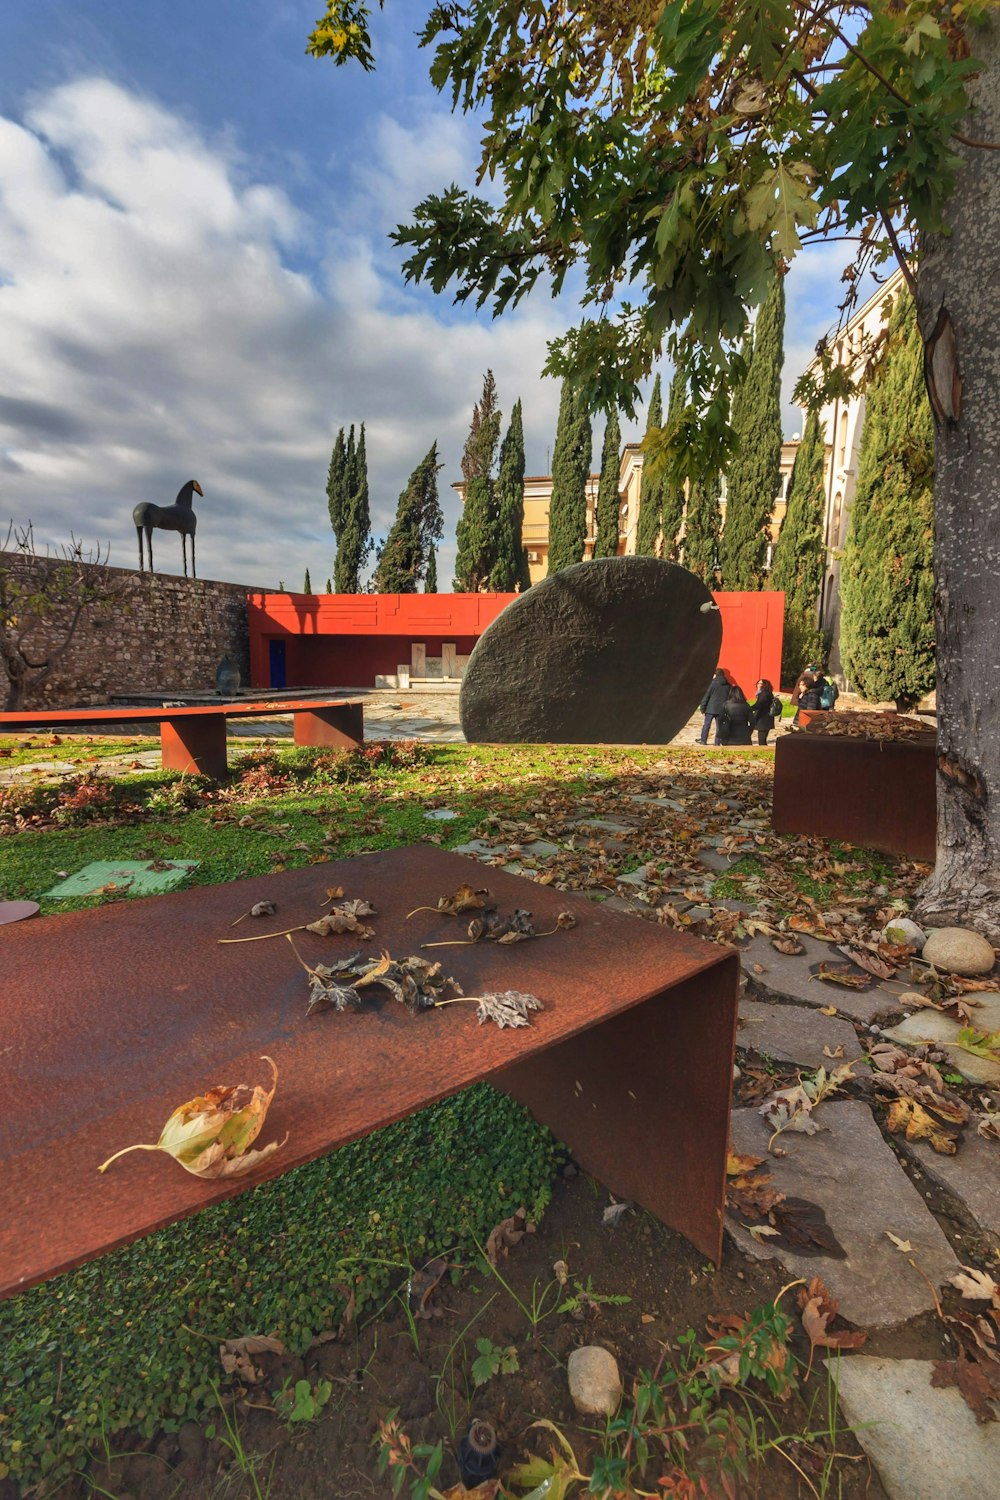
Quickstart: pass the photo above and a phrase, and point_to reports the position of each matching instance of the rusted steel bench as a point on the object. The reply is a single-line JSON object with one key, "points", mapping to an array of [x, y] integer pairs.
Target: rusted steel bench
{"points": [[194, 739], [878, 793], [630, 1062]]}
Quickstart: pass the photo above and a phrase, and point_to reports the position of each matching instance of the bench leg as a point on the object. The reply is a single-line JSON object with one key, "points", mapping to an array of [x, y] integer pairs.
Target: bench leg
{"points": [[196, 745], [342, 727], [643, 1101]]}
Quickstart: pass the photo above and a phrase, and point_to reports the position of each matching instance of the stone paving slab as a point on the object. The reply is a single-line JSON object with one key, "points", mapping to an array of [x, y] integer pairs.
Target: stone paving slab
{"points": [[925, 1443], [972, 1176], [790, 978], [931, 1026], [850, 1172], [795, 1034]]}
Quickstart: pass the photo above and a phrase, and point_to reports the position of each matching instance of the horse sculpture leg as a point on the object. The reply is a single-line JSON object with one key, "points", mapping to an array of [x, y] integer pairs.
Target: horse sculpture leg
{"points": [[184, 553], [149, 543], [138, 532], [193, 573]]}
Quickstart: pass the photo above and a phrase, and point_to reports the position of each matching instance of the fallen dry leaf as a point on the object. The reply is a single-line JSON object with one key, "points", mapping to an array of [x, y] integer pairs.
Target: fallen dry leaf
{"points": [[788, 945], [236, 1356], [210, 1135], [828, 1010], [977, 1380], [789, 1109], [424, 1283], [507, 1233], [909, 1118], [903, 1245], [976, 1286], [818, 1310], [842, 974]]}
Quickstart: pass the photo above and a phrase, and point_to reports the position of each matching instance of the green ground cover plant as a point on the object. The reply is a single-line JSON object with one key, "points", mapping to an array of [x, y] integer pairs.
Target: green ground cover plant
{"points": [[129, 1343]]}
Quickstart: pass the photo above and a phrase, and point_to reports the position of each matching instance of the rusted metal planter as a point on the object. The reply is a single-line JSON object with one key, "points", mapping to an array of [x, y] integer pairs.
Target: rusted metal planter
{"points": [[875, 792], [630, 1062]]}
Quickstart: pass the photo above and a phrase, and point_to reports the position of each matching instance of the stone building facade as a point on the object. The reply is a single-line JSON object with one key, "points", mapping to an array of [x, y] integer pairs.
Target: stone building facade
{"points": [[165, 634]]}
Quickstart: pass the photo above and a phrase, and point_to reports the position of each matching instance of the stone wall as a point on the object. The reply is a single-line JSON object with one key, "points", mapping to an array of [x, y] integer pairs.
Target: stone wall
{"points": [[165, 633]]}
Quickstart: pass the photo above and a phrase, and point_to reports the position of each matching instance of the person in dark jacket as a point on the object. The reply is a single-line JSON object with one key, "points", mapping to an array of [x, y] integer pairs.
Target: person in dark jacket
{"points": [[713, 703], [812, 698], [735, 727], [765, 708]]}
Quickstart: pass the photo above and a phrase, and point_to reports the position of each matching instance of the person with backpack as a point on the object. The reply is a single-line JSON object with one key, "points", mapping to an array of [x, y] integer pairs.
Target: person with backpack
{"points": [[713, 703], [821, 694], [765, 710], [735, 727]]}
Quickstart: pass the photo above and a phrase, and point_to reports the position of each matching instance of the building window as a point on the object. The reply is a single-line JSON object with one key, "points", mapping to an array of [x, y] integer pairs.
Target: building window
{"points": [[843, 439]]}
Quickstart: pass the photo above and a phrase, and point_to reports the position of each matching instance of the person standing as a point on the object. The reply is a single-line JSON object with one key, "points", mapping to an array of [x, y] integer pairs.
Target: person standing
{"points": [[712, 705], [764, 710], [735, 726]]}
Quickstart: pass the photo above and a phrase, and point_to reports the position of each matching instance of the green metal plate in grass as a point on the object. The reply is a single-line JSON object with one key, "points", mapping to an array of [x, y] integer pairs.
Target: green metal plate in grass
{"points": [[136, 877]]}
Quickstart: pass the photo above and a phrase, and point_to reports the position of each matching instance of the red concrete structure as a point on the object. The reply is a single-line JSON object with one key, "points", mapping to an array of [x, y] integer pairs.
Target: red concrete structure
{"points": [[344, 640]]}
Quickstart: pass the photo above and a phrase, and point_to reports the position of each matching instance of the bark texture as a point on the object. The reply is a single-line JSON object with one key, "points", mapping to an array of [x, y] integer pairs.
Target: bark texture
{"points": [[959, 280]]}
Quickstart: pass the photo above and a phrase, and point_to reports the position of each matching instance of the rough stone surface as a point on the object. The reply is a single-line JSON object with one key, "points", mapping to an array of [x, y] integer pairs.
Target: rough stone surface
{"points": [[595, 1383], [957, 950], [795, 1034], [926, 1444], [972, 1176], [791, 978], [902, 930], [850, 1172], [931, 1026], [615, 650], [168, 631]]}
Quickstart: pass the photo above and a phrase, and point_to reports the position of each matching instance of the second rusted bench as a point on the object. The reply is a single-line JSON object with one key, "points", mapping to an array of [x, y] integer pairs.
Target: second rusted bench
{"points": [[194, 739]]}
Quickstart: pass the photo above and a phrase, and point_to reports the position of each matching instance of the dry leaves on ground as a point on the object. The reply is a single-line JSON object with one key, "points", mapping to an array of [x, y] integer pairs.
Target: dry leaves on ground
{"points": [[818, 1310], [507, 1233], [766, 1213], [923, 1108], [976, 1368], [237, 1357]]}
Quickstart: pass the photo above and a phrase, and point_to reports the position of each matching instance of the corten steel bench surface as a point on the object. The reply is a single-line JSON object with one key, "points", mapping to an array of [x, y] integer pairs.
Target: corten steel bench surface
{"points": [[194, 738], [114, 1016], [881, 794]]}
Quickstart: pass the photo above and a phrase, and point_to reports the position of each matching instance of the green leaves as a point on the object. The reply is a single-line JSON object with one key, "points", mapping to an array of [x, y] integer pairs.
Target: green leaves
{"points": [[780, 202], [493, 1360]]}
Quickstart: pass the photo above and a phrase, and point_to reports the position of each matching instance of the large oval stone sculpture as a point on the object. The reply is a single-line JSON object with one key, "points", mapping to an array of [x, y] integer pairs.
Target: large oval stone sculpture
{"points": [[614, 651]]}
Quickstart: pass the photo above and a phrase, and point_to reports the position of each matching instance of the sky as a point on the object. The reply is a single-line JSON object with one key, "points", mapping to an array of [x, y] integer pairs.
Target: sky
{"points": [[196, 281]]}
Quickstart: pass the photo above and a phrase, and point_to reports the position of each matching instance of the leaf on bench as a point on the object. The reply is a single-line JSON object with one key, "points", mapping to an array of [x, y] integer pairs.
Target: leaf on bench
{"points": [[210, 1134]]}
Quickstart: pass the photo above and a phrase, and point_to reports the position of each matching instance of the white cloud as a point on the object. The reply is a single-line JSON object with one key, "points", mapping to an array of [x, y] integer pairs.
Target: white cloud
{"points": [[158, 325], [154, 331]]}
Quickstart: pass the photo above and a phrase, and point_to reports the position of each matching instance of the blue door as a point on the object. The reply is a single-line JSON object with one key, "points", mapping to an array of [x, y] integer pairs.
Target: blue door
{"points": [[276, 654]]}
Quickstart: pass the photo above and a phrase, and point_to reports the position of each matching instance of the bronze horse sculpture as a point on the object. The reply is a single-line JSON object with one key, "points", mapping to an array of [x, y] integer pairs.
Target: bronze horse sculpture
{"points": [[177, 517]]}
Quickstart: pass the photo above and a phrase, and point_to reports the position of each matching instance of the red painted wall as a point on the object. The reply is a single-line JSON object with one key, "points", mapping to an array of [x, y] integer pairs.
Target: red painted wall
{"points": [[344, 640]]}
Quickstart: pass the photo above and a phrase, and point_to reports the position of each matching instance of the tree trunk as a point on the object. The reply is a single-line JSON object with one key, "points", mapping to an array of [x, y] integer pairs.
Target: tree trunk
{"points": [[959, 294]]}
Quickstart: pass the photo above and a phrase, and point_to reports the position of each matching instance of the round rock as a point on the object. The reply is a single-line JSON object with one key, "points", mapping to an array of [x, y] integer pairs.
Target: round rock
{"points": [[959, 951], [595, 1383], [614, 651], [902, 930]]}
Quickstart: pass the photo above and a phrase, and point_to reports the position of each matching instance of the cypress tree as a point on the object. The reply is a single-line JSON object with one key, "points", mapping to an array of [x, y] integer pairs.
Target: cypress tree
{"points": [[754, 476], [608, 498], [702, 525], [418, 523], [335, 478], [306, 584], [354, 539], [798, 555], [510, 568], [672, 496], [570, 469], [886, 581], [647, 526], [476, 532], [431, 576]]}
